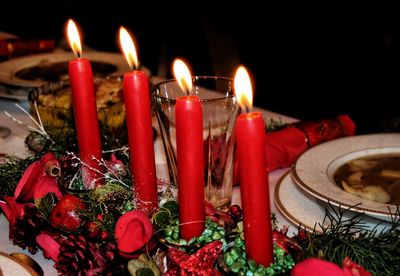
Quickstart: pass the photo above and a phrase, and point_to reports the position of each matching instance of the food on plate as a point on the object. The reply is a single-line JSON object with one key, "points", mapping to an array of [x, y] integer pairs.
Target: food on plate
{"points": [[375, 178], [54, 103], [374, 193], [51, 72]]}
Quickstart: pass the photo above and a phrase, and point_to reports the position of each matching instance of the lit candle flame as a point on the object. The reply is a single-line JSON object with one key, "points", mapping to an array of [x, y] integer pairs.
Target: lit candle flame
{"points": [[243, 89], [73, 38], [182, 75], [128, 48]]}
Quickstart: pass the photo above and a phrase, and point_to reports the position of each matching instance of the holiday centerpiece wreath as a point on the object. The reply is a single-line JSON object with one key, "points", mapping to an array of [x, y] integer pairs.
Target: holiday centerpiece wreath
{"points": [[101, 232]]}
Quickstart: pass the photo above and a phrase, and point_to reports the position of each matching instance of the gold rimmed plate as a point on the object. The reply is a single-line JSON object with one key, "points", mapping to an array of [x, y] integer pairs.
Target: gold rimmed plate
{"points": [[10, 265], [36, 70], [303, 209], [314, 170]]}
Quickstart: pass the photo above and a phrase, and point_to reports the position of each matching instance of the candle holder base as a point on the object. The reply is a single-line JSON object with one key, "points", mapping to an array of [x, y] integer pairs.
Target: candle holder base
{"points": [[234, 261]]}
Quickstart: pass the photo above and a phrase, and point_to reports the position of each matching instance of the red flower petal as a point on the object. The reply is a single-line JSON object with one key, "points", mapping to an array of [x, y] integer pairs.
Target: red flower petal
{"points": [[24, 191], [26, 185], [47, 157], [49, 246], [46, 184], [12, 210], [132, 231]]}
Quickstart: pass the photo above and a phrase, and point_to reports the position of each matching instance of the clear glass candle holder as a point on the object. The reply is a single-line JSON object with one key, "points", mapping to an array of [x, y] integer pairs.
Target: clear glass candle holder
{"points": [[220, 109]]}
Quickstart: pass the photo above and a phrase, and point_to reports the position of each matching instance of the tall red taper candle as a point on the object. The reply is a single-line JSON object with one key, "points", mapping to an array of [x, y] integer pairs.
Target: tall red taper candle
{"points": [[140, 132], [140, 135], [189, 144], [250, 132], [254, 191], [85, 116]]}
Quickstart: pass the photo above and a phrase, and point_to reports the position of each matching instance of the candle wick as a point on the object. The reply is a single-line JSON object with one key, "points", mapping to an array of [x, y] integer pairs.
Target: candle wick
{"points": [[78, 54], [247, 109], [135, 66], [188, 92]]}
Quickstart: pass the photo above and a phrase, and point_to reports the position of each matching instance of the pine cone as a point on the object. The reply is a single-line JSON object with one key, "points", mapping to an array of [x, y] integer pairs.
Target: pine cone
{"points": [[27, 228], [69, 168], [79, 256]]}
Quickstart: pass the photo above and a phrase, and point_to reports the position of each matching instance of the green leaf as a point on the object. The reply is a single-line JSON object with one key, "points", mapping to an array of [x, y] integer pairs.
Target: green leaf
{"points": [[161, 218], [171, 206], [144, 271], [46, 204]]}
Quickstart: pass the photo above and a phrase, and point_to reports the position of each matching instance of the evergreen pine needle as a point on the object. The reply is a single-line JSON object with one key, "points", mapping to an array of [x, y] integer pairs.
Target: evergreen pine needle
{"points": [[377, 251], [10, 173]]}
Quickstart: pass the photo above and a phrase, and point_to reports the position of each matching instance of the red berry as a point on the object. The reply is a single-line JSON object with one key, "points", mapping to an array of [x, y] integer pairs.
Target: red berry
{"points": [[92, 228], [110, 255], [104, 236], [100, 217]]}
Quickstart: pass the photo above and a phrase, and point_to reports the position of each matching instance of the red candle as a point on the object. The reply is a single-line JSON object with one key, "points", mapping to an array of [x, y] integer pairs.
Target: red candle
{"points": [[250, 135], [189, 147], [189, 144], [140, 132], [85, 113]]}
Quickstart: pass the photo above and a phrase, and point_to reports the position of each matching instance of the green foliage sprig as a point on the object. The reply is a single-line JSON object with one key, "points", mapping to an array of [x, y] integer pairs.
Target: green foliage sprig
{"points": [[11, 171], [377, 251], [274, 125]]}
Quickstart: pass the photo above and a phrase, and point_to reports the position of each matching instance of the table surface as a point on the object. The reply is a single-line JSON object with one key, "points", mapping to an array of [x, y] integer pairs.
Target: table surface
{"points": [[14, 145]]}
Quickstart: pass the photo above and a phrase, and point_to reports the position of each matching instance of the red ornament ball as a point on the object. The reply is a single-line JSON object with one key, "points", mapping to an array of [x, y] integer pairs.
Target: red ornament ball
{"points": [[235, 212]]}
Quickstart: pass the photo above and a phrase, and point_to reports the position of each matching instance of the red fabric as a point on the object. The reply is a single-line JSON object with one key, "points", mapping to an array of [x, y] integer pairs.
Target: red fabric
{"points": [[284, 146], [324, 130], [18, 47]]}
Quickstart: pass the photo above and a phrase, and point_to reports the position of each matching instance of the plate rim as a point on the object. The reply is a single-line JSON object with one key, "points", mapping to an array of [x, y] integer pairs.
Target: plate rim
{"points": [[8, 68], [321, 196], [369, 222], [281, 208], [29, 269]]}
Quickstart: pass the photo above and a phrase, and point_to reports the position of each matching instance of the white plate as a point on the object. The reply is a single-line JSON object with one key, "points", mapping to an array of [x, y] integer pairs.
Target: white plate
{"points": [[53, 67], [303, 209], [313, 171], [12, 266]]}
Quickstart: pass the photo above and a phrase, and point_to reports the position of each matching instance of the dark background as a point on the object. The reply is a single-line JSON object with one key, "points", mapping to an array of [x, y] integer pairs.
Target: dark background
{"points": [[307, 62]]}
